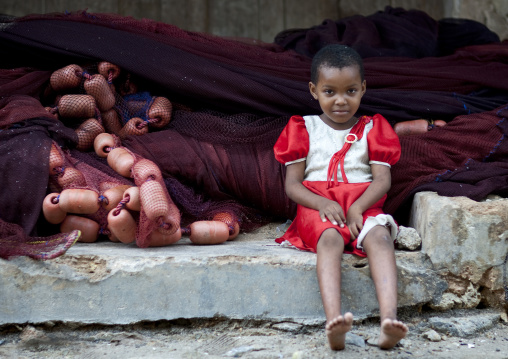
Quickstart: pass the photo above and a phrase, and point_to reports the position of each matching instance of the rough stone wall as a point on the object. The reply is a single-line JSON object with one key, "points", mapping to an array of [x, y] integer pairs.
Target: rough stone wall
{"points": [[492, 13]]}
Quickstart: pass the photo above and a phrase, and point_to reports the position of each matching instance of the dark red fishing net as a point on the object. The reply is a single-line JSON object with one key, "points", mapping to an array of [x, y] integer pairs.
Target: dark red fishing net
{"points": [[206, 111], [467, 157], [205, 71], [386, 34]]}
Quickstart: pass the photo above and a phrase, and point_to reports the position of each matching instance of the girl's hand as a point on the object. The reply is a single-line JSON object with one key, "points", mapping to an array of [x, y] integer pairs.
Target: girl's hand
{"points": [[354, 221], [332, 211]]}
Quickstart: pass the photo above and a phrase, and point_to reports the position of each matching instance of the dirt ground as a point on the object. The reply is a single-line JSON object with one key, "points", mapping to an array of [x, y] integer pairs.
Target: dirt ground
{"points": [[221, 338]]}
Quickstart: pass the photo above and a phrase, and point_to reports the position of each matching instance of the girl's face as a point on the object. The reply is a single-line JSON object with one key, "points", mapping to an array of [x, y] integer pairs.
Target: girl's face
{"points": [[339, 92]]}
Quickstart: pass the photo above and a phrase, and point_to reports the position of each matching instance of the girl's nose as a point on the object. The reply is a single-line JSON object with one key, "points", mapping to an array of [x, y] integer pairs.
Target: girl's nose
{"points": [[340, 100]]}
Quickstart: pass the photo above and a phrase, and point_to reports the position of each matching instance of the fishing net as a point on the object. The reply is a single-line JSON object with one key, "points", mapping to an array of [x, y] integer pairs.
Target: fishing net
{"points": [[192, 119], [86, 99]]}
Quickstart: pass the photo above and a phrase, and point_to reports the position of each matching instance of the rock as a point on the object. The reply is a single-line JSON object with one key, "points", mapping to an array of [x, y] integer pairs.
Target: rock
{"points": [[432, 335], [30, 335], [456, 285], [464, 327], [417, 280], [492, 298], [404, 343], [408, 238], [373, 341], [469, 300], [238, 352], [287, 327], [493, 278], [355, 340], [504, 317]]}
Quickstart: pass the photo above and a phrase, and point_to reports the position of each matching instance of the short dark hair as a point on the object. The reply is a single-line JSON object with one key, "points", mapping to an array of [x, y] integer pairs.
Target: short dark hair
{"points": [[335, 56]]}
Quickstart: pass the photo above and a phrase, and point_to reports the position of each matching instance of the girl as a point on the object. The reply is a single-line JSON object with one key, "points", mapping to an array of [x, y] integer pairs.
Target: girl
{"points": [[338, 172]]}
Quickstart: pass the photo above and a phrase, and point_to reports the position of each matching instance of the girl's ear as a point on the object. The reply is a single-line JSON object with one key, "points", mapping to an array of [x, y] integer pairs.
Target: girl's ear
{"points": [[364, 87], [312, 89]]}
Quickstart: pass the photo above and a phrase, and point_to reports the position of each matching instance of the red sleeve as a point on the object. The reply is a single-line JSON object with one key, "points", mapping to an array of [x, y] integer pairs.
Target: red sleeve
{"points": [[384, 145], [293, 142]]}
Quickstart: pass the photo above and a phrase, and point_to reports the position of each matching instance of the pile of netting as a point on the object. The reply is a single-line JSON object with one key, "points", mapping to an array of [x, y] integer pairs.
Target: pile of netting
{"points": [[139, 132], [125, 199]]}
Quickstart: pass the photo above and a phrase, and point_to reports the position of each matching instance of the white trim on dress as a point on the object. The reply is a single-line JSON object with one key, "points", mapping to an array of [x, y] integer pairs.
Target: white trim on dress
{"points": [[295, 161], [384, 220], [379, 163]]}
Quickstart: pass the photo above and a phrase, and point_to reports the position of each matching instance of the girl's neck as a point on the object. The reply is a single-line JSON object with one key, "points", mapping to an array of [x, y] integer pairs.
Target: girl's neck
{"points": [[339, 126]]}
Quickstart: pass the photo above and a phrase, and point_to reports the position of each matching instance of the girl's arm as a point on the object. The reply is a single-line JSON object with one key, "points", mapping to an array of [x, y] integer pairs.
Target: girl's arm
{"points": [[381, 183], [297, 192]]}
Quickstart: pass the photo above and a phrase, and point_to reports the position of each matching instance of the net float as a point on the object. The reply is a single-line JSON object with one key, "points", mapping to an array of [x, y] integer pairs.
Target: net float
{"points": [[131, 199], [134, 127], [416, 127], [88, 227], [231, 221], [66, 78], [76, 106], [120, 160], [122, 225], [108, 70], [208, 232], [71, 176], [52, 211], [160, 112], [158, 239], [79, 201], [111, 121], [153, 200], [98, 88], [103, 144], [56, 160], [144, 170], [113, 196], [87, 132]]}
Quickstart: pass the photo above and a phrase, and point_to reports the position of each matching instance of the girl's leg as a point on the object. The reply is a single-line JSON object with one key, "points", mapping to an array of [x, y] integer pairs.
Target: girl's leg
{"points": [[380, 251], [329, 254]]}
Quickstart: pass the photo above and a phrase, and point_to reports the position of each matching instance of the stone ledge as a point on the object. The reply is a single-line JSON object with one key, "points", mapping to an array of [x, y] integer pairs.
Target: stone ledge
{"points": [[251, 277]]}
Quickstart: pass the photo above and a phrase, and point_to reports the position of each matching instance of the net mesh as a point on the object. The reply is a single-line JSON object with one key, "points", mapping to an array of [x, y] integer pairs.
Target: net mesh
{"points": [[197, 116]]}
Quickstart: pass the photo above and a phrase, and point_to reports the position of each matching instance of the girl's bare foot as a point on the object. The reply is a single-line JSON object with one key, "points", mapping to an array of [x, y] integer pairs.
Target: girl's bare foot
{"points": [[336, 330], [392, 331]]}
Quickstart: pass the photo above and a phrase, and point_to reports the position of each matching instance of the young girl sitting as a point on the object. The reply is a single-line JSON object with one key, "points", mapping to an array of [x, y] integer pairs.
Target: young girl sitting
{"points": [[338, 172]]}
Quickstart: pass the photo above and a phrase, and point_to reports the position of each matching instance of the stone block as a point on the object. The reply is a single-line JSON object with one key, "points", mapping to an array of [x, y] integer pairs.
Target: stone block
{"points": [[461, 236], [466, 241], [464, 327]]}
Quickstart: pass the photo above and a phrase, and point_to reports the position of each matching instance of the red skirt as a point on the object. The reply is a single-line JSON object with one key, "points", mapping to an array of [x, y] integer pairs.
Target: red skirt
{"points": [[306, 229]]}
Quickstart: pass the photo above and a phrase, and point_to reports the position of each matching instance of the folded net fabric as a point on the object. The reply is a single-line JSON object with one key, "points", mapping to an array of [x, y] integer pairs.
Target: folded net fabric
{"points": [[467, 157], [394, 32], [210, 72], [231, 99]]}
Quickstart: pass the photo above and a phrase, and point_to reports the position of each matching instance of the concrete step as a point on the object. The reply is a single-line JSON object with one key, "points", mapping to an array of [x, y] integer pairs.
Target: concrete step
{"points": [[250, 277]]}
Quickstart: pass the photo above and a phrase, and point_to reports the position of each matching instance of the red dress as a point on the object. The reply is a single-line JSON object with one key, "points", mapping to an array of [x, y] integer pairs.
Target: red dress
{"points": [[337, 170]]}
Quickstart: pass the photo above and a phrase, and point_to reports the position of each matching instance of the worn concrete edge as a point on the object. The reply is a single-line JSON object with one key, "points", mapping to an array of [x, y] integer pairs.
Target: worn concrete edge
{"points": [[81, 278]]}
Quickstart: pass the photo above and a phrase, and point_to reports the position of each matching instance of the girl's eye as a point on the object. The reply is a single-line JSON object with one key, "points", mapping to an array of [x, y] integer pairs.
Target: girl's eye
{"points": [[328, 92], [352, 91]]}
